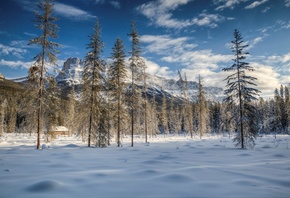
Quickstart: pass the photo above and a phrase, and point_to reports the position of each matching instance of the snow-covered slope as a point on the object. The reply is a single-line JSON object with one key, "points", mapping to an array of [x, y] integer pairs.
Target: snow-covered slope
{"points": [[73, 67], [173, 166]]}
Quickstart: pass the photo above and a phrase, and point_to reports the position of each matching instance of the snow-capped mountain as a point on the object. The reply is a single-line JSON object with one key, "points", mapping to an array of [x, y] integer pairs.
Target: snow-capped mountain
{"points": [[73, 67], [71, 73]]}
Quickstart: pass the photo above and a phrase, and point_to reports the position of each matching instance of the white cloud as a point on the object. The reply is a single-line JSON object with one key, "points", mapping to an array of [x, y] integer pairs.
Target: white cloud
{"points": [[209, 20], [194, 62], [255, 4], [160, 14], [72, 12], [16, 51], [30, 34], [115, 4], [231, 4], [285, 25], [28, 5], [164, 44], [15, 64], [266, 10], [287, 3], [100, 1], [155, 69], [268, 78], [209, 65], [278, 59], [254, 42]]}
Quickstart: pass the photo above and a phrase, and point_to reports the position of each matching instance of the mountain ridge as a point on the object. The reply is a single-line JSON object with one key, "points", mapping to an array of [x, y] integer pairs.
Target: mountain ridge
{"points": [[71, 74]]}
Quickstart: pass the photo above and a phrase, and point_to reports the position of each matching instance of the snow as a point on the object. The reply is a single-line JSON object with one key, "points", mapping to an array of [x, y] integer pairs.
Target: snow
{"points": [[174, 166]]}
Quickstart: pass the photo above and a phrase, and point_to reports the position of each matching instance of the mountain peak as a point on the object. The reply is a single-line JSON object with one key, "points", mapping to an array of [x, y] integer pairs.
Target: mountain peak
{"points": [[71, 72]]}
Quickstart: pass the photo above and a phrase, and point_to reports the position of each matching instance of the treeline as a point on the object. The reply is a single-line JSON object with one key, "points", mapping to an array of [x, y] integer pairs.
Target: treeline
{"points": [[165, 116], [106, 107]]}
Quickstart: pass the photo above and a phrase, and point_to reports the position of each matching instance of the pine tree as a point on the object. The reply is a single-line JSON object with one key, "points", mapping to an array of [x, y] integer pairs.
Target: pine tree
{"points": [[52, 104], [93, 83], [145, 103], [273, 123], [3, 104], [136, 65], [71, 110], [45, 22], [163, 114], [283, 109], [172, 116], [202, 109], [215, 117], [186, 106], [30, 100], [239, 91], [12, 109], [287, 107], [153, 116], [117, 77], [228, 118], [261, 114]]}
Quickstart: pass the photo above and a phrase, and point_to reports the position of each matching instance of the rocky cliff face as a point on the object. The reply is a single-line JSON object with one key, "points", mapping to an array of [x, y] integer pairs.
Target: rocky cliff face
{"points": [[71, 73]]}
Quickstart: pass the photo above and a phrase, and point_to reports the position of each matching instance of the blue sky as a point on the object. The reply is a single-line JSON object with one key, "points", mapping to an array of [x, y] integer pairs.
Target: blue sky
{"points": [[188, 35]]}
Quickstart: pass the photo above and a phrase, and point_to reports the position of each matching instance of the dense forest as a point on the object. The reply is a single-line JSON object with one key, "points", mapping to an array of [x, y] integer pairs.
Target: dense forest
{"points": [[106, 107]]}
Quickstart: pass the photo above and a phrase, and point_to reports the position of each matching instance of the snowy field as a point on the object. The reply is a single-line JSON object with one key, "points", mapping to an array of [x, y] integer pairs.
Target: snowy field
{"points": [[167, 167]]}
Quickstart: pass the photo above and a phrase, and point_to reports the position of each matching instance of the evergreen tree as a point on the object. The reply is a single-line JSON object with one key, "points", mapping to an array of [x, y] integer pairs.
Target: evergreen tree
{"points": [[153, 127], [215, 117], [3, 104], [52, 104], [261, 107], [163, 115], [12, 109], [117, 77], [228, 118], [145, 103], [240, 91], [186, 106], [136, 65], [44, 21], [172, 116], [71, 111], [287, 107], [202, 109], [93, 84], [273, 122], [281, 99], [30, 100], [283, 109]]}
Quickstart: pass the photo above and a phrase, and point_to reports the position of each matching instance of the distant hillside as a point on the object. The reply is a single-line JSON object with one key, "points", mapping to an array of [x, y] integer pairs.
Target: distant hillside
{"points": [[8, 85]]}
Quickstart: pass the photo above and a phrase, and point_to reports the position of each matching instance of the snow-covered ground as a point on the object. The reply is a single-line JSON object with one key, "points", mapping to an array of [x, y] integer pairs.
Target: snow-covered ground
{"points": [[167, 167]]}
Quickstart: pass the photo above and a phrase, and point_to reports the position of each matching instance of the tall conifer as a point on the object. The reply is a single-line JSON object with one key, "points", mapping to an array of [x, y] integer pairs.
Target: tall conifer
{"points": [[240, 91], [202, 109], [45, 21], [93, 82], [117, 77], [136, 65]]}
